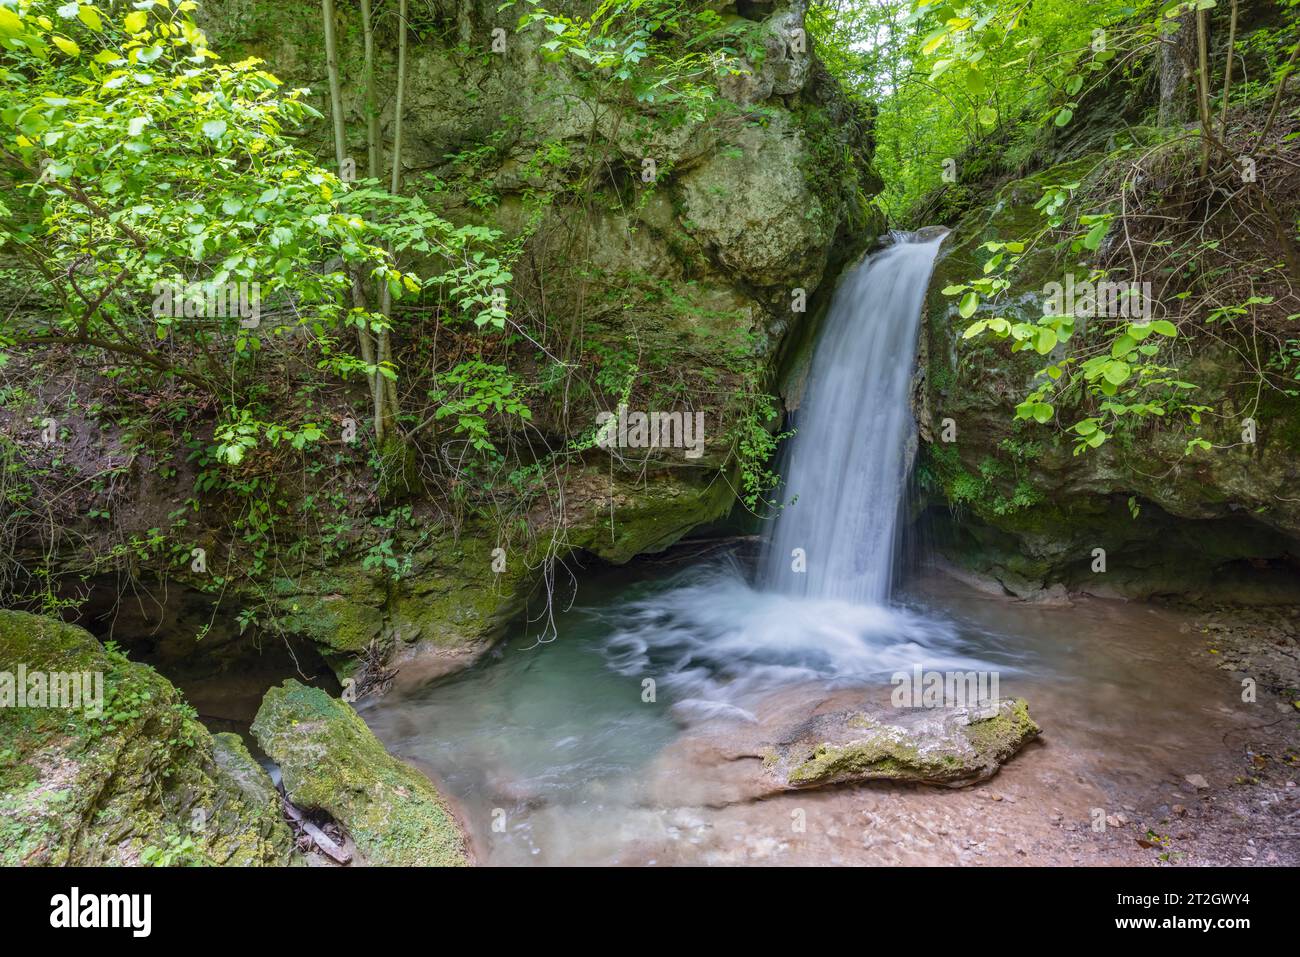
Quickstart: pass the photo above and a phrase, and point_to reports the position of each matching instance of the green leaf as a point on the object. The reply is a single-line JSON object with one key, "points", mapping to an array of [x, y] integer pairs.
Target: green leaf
{"points": [[969, 303], [90, 17], [10, 23], [136, 21], [1116, 372], [67, 46], [934, 41], [1063, 116], [214, 129], [1095, 235]]}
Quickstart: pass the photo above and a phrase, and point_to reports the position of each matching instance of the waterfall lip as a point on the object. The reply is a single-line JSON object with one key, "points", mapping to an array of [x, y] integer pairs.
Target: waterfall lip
{"points": [[924, 234]]}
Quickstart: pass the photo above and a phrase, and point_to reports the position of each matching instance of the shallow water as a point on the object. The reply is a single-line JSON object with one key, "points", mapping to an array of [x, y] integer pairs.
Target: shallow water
{"points": [[554, 755]]}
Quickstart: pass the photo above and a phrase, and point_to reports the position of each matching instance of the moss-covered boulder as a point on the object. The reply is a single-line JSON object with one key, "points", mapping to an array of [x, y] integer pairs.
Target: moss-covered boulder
{"points": [[944, 746], [331, 761], [802, 737], [129, 777]]}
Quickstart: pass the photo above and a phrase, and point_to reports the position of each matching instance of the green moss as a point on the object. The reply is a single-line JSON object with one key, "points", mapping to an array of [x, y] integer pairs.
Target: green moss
{"points": [[951, 755], [881, 756], [982, 492], [1278, 416], [78, 788], [1003, 733], [330, 760]]}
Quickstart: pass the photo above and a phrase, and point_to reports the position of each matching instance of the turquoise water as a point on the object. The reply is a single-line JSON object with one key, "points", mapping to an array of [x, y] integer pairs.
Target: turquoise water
{"points": [[552, 748]]}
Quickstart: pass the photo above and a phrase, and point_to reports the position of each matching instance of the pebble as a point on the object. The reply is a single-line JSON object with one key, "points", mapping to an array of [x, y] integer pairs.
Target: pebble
{"points": [[1197, 781]]}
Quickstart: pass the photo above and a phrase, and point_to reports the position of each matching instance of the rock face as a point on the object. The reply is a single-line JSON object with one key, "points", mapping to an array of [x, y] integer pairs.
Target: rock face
{"points": [[677, 253], [139, 782], [330, 760], [952, 747], [690, 277], [1012, 503]]}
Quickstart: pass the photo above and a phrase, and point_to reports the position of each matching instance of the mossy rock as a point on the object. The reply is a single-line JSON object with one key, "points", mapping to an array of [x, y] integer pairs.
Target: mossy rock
{"points": [[140, 782], [951, 747], [331, 761], [1023, 509]]}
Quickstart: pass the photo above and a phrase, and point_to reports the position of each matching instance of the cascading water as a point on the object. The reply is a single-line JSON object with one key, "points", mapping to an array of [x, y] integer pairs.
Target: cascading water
{"points": [[719, 644], [845, 465], [717, 639]]}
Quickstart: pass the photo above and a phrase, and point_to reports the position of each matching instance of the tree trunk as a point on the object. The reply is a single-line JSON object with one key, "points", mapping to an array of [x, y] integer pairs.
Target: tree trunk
{"points": [[1203, 86], [1177, 54], [370, 354], [336, 97], [372, 103], [385, 347], [1227, 75]]}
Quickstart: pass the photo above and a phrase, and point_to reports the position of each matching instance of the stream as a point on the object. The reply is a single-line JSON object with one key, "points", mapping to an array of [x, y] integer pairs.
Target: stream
{"points": [[553, 756]]}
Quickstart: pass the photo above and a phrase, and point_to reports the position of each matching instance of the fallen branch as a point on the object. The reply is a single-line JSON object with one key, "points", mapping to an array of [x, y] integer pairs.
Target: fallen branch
{"points": [[318, 837]]}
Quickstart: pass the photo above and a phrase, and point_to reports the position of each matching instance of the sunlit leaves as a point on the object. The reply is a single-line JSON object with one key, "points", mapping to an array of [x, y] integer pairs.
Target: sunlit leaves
{"points": [[624, 43], [151, 167], [90, 17], [1111, 374]]}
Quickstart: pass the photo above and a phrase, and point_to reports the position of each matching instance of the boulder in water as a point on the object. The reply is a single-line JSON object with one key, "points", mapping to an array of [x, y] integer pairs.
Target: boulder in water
{"points": [[947, 746]]}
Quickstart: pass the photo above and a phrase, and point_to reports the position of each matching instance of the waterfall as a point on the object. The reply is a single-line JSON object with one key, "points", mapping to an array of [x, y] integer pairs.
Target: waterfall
{"points": [[717, 643], [845, 466]]}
